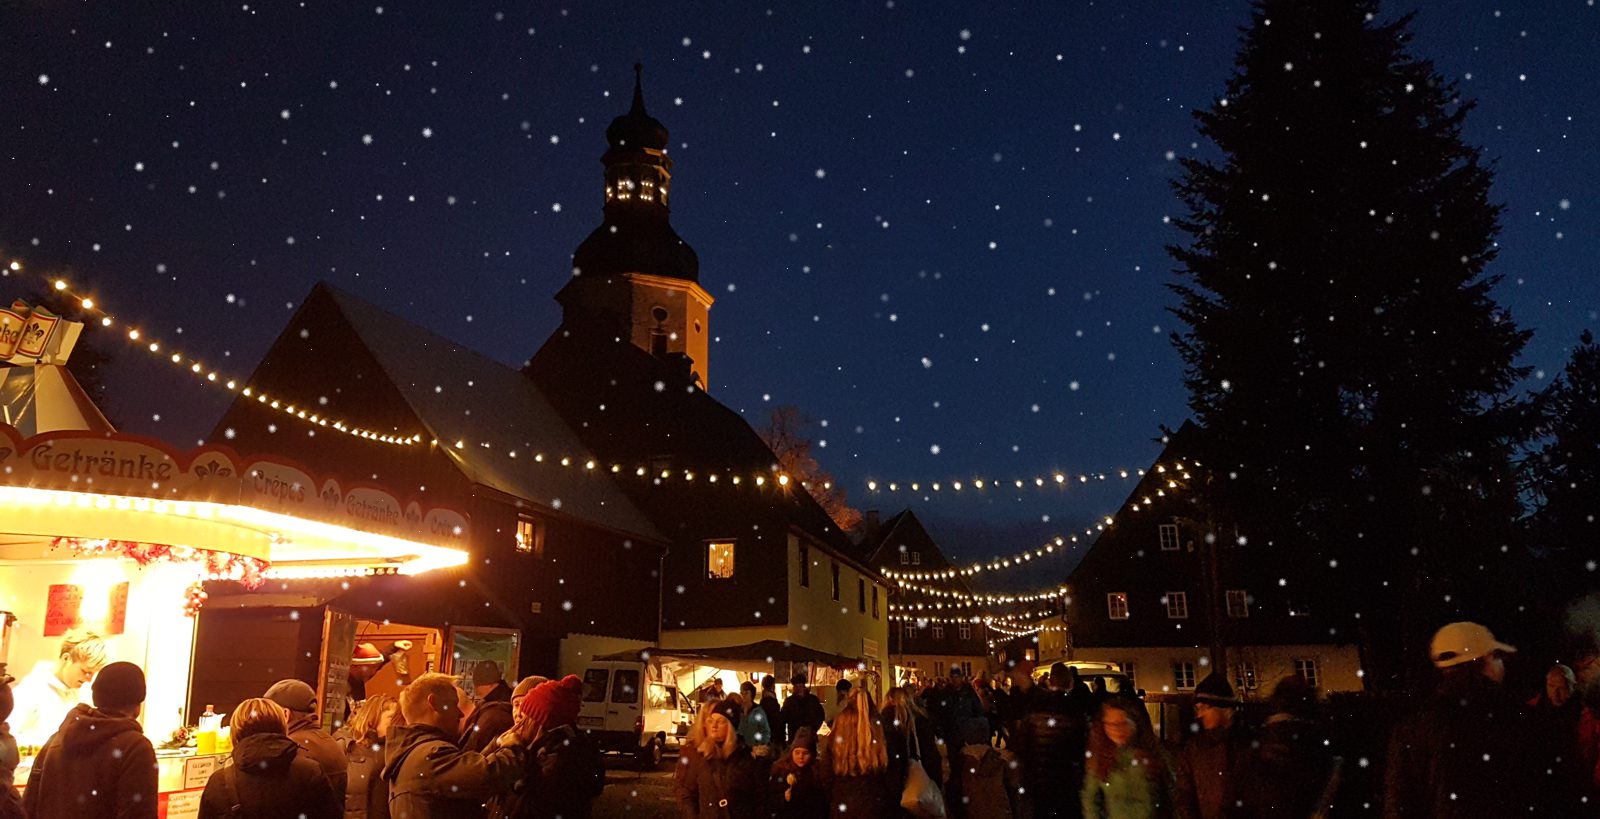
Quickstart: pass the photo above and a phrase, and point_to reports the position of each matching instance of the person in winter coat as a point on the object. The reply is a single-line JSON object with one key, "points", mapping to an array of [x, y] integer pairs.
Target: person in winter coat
{"points": [[854, 763], [300, 701], [1049, 739], [1290, 769], [769, 704], [486, 723], [367, 795], [10, 800], [271, 777], [717, 778], [99, 765], [796, 792], [909, 734], [755, 730], [1209, 762], [1463, 754], [428, 775], [1127, 776], [563, 772], [801, 709]]}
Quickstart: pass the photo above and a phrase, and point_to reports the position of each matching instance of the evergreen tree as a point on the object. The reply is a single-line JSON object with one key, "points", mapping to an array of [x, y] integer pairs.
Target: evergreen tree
{"points": [[1564, 474], [1343, 355]]}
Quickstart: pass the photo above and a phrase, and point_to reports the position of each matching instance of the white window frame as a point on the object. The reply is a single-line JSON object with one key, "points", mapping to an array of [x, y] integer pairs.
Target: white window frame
{"points": [[1245, 676], [1177, 605], [905, 557], [1182, 670], [908, 630], [916, 558], [1113, 610], [1242, 610], [964, 631], [1168, 536], [938, 631], [1302, 665]]}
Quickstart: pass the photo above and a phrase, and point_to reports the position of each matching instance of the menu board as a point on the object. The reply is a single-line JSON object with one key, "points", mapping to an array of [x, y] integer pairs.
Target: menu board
{"points": [[338, 646], [62, 609]]}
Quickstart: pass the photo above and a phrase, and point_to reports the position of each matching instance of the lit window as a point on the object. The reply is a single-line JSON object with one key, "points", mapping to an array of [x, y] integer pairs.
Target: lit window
{"points": [[1238, 603], [1307, 670], [530, 536], [1117, 605], [1029, 655], [964, 631], [719, 560], [938, 631], [1177, 605], [1169, 537], [1183, 675]]}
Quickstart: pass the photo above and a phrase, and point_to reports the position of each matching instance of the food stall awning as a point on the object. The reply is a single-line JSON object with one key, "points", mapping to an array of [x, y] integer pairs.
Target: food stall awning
{"points": [[104, 486]]}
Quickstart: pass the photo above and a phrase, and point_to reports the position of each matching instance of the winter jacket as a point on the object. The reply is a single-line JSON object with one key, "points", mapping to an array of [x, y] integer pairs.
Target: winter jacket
{"points": [[563, 773], [429, 777], [366, 795], [801, 711], [801, 797], [322, 748], [272, 779], [903, 747], [98, 766], [755, 730], [1131, 789], [488, 722], [732, 788], [1049, 740], [962, 719], [1287, 771], [1461, 756], [769, 704], [870, 796], [10, 800], [1207, 770]]}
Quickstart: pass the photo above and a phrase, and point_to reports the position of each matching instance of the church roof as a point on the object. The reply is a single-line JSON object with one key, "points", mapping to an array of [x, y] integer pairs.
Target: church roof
{"points": [[637, 129], [489, 401]]}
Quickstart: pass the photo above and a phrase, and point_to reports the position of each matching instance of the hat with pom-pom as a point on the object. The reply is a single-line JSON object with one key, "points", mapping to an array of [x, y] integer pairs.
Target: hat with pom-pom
{"points": [[554, 703]]}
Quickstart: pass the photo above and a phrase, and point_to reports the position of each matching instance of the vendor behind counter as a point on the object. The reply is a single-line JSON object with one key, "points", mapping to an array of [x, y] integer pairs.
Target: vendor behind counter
{"points": [[54, 687]]}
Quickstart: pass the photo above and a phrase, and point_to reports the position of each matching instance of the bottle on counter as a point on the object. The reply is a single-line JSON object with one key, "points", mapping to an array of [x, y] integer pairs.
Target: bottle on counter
{"points": [[205, 735]]}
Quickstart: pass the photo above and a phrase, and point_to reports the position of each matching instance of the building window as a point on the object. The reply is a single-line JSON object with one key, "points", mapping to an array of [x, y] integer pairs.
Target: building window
{"points": [[964, 631], [1131, 671], [1177, 605], [530, 536], [1299, 608], [835, 580], [719, 560], [805, 566], [1029, 655], [1168, 533], [874, 602], [938, 631], [1244, 677], [916, 558], [1238, 604], [861, 595], [905, 557], [1117, 605], [1183, 675], [908, 630], [1307, 670], [938, 668], [966, 668]]}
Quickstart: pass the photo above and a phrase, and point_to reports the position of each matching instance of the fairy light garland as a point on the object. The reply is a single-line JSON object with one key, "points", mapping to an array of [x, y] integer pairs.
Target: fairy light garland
{"points": [[1060, 480]]}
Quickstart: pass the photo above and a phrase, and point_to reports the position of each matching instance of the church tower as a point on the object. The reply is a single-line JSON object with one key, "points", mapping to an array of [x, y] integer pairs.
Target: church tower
{"points": [[634, 278]]}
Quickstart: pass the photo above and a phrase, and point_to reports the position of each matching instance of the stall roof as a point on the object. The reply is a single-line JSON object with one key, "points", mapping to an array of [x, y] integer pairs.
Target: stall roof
{"points": [[763, 651]]}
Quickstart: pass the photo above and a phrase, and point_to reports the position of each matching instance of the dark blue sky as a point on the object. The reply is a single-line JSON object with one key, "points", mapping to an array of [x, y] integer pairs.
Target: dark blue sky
{"points": [[930, 224]]}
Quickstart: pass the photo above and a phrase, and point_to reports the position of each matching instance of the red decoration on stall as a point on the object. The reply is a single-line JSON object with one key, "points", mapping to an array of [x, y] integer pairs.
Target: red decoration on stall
{"points": [[248, 571], [194, 597]]}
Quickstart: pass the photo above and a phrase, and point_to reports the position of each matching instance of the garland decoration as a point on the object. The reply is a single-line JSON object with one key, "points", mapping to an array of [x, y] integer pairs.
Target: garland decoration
{"points": [[248, 571]]}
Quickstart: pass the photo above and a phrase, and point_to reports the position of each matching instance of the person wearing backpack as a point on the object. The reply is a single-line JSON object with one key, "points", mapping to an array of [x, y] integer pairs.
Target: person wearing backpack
{"points": [[270, 777]]}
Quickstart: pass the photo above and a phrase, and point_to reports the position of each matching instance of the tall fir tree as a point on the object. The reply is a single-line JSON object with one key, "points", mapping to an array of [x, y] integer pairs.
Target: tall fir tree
{"points": [[1344, 356], [1564, 473]]}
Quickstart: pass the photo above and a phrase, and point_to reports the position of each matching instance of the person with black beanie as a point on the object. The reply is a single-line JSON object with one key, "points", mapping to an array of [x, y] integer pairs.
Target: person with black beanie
{"points": [[99, 765]]}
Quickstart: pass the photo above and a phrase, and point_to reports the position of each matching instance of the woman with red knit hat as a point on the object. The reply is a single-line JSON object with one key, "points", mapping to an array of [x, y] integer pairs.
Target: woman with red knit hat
{"points": [[564, 771]]}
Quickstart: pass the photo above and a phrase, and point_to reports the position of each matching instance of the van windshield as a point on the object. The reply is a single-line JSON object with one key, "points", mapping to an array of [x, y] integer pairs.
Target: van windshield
{"points": [[594, 684]]}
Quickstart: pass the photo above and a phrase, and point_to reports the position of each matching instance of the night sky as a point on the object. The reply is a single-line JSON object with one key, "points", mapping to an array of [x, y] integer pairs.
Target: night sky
{"points": [[936, 227]]}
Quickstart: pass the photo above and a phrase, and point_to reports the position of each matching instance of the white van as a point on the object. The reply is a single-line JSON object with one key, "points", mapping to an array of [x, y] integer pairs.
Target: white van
{"points": [[629, 711]]}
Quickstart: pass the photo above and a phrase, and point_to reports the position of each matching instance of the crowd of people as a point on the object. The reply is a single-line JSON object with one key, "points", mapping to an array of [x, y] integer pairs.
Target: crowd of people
{"points": [[433, 752]]}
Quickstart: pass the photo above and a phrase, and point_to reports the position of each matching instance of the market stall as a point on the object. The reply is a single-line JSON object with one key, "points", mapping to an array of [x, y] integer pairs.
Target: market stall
{"points": [[112, 537]]}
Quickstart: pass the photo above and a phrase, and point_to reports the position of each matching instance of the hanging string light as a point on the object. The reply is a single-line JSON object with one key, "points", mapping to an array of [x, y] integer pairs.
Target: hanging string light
{"points": [[1051, 480]]}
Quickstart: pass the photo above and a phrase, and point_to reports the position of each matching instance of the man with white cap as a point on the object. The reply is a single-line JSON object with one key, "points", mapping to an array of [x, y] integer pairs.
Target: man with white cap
{"points": [[1463, 753]]}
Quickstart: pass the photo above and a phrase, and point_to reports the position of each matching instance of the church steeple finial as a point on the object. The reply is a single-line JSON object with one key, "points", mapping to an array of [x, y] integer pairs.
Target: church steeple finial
{"points": [[638, 89]]}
